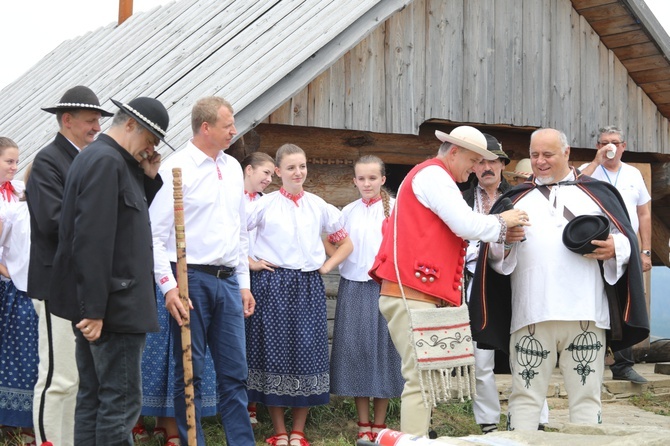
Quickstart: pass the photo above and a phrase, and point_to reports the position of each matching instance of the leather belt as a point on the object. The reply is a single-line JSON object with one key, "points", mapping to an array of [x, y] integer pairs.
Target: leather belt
{"points": [[392, 289], [220, 272]]}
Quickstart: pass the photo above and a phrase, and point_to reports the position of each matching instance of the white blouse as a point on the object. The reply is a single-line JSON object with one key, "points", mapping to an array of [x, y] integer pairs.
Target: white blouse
{"points": [[288, 233], [364, 225], [250, 198], [15, 241]]}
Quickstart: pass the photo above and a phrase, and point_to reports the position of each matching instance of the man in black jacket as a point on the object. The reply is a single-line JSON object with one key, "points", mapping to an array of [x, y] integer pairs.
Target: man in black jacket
{"points": [[485, 188], [78, 114], [103, 269]]}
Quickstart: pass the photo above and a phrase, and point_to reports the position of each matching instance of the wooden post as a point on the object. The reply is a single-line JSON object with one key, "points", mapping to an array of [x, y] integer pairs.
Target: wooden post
{"points": [[125, 10], [182, 283]]}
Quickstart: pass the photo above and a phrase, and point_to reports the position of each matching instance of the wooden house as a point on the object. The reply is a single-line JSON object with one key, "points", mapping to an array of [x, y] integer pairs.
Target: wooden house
{"points": [[343, 78]]}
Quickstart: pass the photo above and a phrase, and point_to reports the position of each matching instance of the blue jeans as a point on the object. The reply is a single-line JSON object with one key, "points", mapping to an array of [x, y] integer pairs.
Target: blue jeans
{"points": [[109, 400], [217, 321]]}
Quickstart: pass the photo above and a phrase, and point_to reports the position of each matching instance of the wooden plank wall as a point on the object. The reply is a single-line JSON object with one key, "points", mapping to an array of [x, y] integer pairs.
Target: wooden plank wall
{"points": [[516, 62]]}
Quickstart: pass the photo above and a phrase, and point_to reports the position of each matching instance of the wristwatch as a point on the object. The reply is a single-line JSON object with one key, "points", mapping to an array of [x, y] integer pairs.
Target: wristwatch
{"points": [[646, 252]]}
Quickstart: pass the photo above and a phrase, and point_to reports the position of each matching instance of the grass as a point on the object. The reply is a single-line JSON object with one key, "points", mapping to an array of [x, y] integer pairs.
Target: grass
{"points": [[335, 424], [658, 404]]}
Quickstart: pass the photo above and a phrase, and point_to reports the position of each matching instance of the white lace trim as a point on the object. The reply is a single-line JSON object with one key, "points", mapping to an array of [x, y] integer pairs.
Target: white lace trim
{"points": [[76, 105], [146, 120], [292, 385]]}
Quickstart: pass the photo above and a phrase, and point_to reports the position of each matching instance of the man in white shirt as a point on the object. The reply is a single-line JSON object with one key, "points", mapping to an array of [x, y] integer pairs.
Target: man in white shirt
{"points": [[629, 182], [218, 269], [539, 300]]}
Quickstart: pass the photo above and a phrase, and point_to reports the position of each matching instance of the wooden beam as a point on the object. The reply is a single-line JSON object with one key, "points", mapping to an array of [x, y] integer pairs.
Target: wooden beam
{"points": [[625, 39], [125, 10], [638, 50], [329, 146], [660, 186], [660, 236], [654, 62]]}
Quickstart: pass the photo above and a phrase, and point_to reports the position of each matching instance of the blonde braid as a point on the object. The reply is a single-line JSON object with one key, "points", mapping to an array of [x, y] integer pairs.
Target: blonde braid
{"points": [[386, 201]]}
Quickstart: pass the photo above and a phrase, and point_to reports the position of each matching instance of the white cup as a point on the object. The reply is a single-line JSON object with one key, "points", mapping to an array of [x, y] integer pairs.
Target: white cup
{"points": [[611, 151]]}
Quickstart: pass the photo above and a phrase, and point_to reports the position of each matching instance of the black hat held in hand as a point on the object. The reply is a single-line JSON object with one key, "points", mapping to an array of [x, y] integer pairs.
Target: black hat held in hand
{"points": [[579, 232]]}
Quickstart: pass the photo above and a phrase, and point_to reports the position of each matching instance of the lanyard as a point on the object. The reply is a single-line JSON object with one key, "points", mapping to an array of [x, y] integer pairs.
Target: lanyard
{"points": [[608, 177]]}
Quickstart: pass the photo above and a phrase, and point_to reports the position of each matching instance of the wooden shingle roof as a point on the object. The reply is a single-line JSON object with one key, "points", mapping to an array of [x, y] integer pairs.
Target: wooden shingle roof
{"points": [[256, 54], [631, 31]]}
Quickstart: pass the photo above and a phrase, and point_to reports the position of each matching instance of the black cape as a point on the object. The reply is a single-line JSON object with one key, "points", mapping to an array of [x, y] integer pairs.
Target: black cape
{"points": [[490, 302]]}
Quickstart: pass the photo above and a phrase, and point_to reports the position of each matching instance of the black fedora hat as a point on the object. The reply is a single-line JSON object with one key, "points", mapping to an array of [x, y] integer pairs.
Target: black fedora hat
{"points": [[494, 146], [579, 232], [77, 98], [150, 113]]}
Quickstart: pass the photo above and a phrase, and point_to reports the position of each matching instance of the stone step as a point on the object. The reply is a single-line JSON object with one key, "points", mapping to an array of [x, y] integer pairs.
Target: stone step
{"points": [[662, 368], [659, 384]]}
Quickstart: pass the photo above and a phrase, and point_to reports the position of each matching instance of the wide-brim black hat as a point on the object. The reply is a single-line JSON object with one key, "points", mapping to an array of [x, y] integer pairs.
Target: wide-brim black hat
{"points": [[150, 113], [77, 98], [494, 146], [579, 232]]}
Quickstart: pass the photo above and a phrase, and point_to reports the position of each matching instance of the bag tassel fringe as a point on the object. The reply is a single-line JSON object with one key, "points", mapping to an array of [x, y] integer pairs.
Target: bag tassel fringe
{"points": [[444, 385]]}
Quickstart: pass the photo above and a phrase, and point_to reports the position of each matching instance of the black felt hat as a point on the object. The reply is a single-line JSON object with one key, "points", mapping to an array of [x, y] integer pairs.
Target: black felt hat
{"points": [[77, 98], [494, 146], [150, 113], [579, 232]]}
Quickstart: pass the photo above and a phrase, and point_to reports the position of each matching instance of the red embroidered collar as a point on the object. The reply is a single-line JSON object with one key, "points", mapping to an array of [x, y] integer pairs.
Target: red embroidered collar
{"points": [[7, 190], [290, 196], [371, 201], [251, 195]]}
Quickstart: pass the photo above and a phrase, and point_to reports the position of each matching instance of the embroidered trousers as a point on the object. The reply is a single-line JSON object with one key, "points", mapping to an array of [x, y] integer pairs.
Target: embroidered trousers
{"points": [[534, 350]]}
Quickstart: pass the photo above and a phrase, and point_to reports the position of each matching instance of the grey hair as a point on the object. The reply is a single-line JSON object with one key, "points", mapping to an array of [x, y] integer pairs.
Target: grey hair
{"points": [[611, 129], [444, 148], [561, 138]]}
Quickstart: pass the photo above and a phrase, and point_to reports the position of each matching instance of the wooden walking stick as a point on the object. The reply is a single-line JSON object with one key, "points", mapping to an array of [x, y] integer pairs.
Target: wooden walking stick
{"points": [[182, 283]]}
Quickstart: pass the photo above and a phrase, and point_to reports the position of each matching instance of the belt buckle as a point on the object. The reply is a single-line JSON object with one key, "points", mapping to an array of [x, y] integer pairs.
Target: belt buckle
{"points": [[221, 274]]}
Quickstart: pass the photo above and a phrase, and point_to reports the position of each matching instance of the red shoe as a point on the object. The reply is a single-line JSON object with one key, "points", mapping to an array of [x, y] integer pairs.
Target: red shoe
{"points": [[140, 434], [278, 440], [298, 439], [252, 416], [364, 432], [173, 441]]}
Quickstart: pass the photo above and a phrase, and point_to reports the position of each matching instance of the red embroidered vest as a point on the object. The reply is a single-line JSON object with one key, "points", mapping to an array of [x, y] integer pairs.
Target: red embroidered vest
{"points": [[431, 257]]}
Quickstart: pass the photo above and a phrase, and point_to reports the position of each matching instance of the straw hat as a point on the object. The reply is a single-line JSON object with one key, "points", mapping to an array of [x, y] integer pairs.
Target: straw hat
{"points": [[522, 169], [468, 138]]}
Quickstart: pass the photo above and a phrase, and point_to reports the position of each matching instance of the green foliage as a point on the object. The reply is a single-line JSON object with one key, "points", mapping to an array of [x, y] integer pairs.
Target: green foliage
{"points": [[660, 405]]}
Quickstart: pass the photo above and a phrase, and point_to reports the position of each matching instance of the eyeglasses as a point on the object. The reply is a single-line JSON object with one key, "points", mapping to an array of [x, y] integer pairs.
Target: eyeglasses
{"points": [[616, 143]]}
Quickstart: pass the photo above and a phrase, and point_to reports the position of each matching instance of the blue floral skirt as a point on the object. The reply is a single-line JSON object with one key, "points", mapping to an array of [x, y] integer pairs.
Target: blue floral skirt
{"points": [[287, 339], [158, 371], [361, 342], [18, 356]]}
